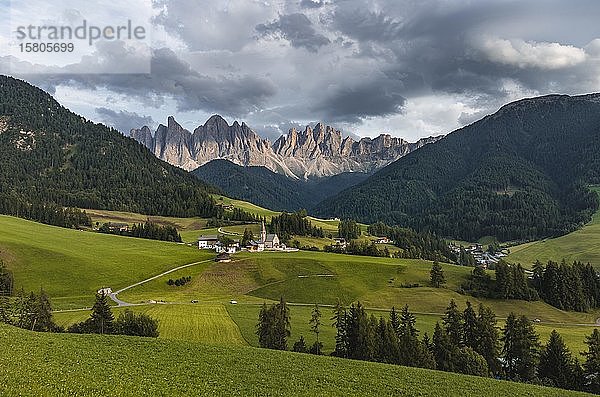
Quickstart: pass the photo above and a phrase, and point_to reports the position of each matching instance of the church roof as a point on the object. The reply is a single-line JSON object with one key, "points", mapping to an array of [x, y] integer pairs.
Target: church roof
{"points": [[271, 237]]}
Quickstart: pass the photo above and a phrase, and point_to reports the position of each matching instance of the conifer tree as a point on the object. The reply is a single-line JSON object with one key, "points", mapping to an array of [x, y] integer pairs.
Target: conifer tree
{"points": [[591, 366], [471, 327], [557, 364], [488, 343], [437, 275], [340, 324], [300, 346], [102, 318], [315, 327], [443, 349], [454, 323], [407, 323], [521, 348], [395, 321]]}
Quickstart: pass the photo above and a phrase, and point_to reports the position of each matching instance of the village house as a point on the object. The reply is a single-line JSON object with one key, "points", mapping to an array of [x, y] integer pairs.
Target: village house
{"points": [[208, 242], [383, 240], [340, 242], [118, 227], [229, 248]]}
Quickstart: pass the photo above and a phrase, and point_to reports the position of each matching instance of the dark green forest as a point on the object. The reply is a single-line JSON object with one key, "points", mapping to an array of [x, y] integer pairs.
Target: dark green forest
{"points": [[520, 174], [51, 155], [269, 189]]}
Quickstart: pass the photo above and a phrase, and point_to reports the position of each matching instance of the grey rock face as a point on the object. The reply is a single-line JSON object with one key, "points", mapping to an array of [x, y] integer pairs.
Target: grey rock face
{"points": [[313, 152]]}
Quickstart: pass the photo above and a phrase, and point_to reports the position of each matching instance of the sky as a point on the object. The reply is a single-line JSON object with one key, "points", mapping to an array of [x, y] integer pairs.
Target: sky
{"points": [[410, 68]]}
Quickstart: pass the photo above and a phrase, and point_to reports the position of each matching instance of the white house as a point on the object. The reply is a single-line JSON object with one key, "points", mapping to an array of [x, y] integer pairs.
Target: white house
{"points": [[208, 242], [230, 249]]}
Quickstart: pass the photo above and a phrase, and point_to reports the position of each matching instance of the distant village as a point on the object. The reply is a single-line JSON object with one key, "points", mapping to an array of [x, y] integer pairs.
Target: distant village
{"points": [[484, 258]]}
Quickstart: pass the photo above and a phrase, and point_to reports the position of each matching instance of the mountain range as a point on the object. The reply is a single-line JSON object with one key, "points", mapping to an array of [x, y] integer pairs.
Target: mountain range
{"points": [[519, 174], [319, 151]]}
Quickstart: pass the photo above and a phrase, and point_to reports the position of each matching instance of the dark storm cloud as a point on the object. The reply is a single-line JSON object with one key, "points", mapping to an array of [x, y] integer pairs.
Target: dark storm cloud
{"points": [[429, 64], [123, 120], [173, 77], [297, 29], [351, 103]]}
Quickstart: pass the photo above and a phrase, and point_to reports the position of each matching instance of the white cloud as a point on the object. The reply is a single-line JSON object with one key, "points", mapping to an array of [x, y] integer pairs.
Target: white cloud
{"points": [[531, 54]]}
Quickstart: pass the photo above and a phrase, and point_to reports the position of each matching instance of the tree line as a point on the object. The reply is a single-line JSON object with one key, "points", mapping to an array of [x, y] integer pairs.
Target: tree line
{"points": [[467, 341], [49, 214], [287, 224], [413, 244], [573, 287], [102, 321], [34, 312], [147, 230]]}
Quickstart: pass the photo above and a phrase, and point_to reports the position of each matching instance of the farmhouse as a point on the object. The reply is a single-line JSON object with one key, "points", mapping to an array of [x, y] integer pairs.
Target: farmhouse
{"points": [[118, 227], [383, 240], [208, 242]]}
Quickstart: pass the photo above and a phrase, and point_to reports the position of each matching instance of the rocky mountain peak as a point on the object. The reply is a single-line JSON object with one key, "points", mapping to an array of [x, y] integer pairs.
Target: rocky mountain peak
{"points": [[312, 152]]}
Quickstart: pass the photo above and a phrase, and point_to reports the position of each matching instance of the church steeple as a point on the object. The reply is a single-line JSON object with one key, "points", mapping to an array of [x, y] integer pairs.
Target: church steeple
{"points": [[263, 233]]}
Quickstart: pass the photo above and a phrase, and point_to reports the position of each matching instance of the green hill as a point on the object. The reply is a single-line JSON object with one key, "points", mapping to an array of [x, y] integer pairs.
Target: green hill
{"points": [[272, 190], [51, 155], [517, 174], [582, 245], [58, 365]]}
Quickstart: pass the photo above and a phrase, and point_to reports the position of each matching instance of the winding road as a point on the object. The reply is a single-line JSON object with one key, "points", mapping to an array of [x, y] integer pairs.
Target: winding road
{"points": [[120, 303]]}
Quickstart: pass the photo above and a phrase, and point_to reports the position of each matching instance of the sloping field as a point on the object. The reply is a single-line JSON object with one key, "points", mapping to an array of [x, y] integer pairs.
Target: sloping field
{"points": [[92, 365]]}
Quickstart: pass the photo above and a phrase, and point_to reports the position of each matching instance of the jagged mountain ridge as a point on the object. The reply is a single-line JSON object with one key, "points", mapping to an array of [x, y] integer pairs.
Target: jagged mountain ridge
{"points": [[313, 152]]}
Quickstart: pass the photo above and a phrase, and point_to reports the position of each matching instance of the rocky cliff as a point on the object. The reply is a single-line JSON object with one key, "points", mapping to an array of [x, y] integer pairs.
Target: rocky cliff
{"points": [[314, 152]]}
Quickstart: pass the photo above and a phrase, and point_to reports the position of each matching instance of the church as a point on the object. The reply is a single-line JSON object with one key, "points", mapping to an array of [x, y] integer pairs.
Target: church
{"points": [[266, 241]]}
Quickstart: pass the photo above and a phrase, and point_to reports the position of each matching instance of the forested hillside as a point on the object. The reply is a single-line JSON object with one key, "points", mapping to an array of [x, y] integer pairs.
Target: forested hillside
{"points": [[266, 188], [51, 155], [518, 174]]}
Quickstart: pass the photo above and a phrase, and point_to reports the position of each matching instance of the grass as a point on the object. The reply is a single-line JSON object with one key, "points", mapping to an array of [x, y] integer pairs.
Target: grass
{"points": [[94, 365], [581, 245], [72, 265], [206, 323]]}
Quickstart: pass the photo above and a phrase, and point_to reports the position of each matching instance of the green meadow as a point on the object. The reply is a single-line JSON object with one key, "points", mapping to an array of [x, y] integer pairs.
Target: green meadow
{"points": [[96, 365], [72, 265]]}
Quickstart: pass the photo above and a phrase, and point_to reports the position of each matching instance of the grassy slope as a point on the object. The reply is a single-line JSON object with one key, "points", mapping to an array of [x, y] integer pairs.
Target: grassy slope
{"points": [[581, 245], [206, 323], [91, 365], [71, 265]]}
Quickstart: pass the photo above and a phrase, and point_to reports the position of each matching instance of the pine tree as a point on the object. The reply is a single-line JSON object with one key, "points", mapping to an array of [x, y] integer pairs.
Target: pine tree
{"points": [[407, 323], [443, 349], [454, 323], [437, 275], [557, 364], [43, 313], [395, 321], [264, 326], [300, 346], [315, 327], [521, 348], [341, 336], [282, 325], [471, 327], [102, 318], [488, 343], [591, 366]]}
